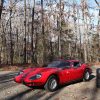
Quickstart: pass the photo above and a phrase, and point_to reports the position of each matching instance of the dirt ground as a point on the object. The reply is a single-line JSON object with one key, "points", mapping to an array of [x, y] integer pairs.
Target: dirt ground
{"points": [[9, 90]]}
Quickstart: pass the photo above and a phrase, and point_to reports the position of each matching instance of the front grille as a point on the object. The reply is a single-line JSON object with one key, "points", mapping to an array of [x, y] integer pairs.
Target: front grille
{"points": [[28, 84]]}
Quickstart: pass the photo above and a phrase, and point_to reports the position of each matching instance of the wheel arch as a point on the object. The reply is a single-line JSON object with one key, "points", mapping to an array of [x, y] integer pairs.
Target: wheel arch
{"points": [[53, 74], [87, 69]]}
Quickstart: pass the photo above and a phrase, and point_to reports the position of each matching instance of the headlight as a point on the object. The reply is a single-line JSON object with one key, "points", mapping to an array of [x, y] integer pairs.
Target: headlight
{"points": [[21, 72], [37, 76]]}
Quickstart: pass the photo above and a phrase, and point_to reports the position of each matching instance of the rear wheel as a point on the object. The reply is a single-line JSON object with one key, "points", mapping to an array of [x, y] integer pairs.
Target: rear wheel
{"points": [[51, 84], [86, 76]]}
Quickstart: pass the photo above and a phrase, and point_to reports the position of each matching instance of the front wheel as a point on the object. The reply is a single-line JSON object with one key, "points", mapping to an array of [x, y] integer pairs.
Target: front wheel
{"points": [[51, 84], [86, 76]]}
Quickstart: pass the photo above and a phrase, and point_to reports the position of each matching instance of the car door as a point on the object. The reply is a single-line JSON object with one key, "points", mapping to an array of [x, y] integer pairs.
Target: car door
{"points": [[65, 72], [77, 70]]}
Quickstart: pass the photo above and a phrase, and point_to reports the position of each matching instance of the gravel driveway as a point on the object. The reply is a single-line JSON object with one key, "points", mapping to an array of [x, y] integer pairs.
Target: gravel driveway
{"points": [[9, 90]]}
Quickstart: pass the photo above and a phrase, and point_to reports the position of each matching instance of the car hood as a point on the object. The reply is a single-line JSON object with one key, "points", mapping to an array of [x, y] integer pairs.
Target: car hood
{"points": [[34, 71]]}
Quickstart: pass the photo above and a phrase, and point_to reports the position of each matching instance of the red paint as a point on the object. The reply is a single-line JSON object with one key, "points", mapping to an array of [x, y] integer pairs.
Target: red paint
{"points": [[64, 75]]}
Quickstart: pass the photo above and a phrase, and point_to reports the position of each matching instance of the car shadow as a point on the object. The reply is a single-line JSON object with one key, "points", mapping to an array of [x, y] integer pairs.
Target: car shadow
{"points": [[37, 87], [92, 77], [75, 82], [18, 96], [34, 94]]}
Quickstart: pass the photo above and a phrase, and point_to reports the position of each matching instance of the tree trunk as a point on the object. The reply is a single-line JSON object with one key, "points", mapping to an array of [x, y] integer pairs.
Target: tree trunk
{"points": [[1, 6], [98, 55], [32, 47], [51, 51], [60, 31], [11, 41], [25, 31], [43, 34]]}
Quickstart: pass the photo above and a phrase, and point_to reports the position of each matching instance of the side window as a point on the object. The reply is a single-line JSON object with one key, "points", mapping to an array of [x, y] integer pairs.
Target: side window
{"points": [[65, 64], [76, 64]]}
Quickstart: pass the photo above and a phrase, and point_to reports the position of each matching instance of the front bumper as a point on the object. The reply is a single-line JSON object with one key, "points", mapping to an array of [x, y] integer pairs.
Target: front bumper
{"points": [[26, 81], [18, 79], [33, 83], [28, 84]]}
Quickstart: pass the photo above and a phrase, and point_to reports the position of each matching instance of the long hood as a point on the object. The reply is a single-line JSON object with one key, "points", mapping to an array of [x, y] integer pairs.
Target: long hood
{"points": [[35, 71], [42, 70]]}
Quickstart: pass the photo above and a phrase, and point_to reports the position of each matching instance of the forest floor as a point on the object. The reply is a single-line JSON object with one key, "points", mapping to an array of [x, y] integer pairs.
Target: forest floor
{"points": [[9, 90]]}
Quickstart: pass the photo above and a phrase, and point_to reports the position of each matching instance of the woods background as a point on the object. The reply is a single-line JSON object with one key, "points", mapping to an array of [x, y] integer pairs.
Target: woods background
{"points": [[38, 31]]}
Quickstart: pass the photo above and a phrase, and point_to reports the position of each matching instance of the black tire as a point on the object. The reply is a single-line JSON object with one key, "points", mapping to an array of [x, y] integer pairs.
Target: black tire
{"points": [[86, 76], [98, 83], [98, 78], [49, 86], [98, 73]]}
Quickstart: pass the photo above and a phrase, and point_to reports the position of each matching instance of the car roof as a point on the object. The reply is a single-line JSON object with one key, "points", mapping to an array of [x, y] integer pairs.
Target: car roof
{"points": [[71, 60]]}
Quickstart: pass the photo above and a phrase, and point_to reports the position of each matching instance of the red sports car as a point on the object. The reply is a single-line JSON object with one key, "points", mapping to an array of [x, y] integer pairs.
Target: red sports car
{"points": [[54, 74]]}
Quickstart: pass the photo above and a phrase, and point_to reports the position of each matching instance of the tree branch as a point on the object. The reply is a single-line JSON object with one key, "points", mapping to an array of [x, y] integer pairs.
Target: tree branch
{"points": [[97, 2]]}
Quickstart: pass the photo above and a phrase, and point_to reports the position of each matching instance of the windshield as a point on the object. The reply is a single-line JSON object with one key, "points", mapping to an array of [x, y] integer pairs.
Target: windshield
{"points": [[59, 64]]}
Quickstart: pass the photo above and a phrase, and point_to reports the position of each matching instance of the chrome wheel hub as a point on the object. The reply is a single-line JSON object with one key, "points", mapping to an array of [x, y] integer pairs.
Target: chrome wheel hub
{"points": [[87, 75], [53, 84]]}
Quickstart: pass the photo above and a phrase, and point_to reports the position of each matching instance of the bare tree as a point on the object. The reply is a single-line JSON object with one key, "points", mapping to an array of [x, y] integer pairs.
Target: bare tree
{"points": [[11, 41], [1, 6], [43, 33], [98, 30], [48, 29], [25, 31], [32, 47]]}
